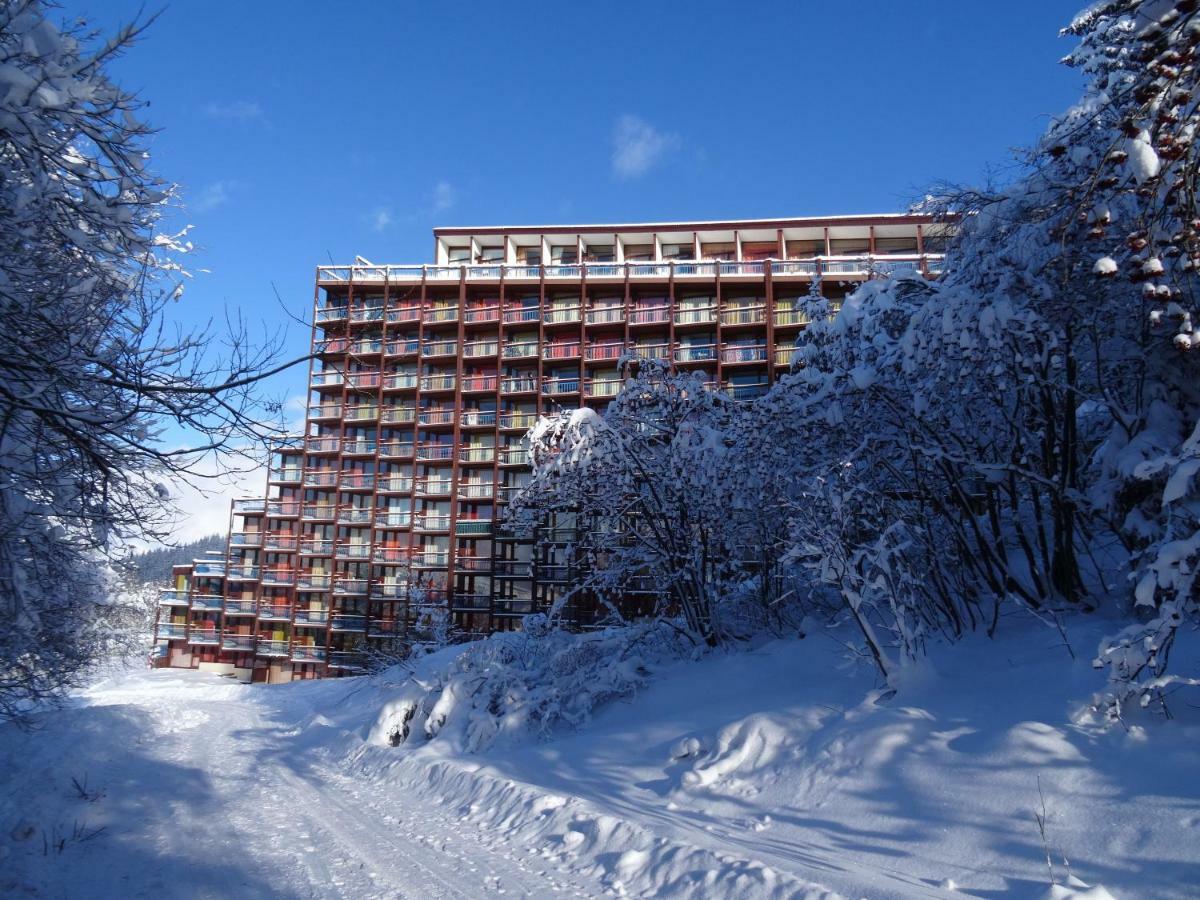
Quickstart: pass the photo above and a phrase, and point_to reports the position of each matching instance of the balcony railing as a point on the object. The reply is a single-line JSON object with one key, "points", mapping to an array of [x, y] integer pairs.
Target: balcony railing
{"points": [[241, 608], [357, 481], [312, 617], [557, 386], [396, 449], [516, 314], [744, 315], [604, 351], [209, 568], [600, 315], [437, 383], [391, 555], [477, 454], [431, 522], [278, 576], [473, 527], [389, 590], [308, 581], [285, 476], [473, 563], [347, 622], [435, 452], [476, 490], [431, 559], [242, 573], [323, 445], [517, 420], [513, 456], [482, 314], [351, 661], [695, 315], [441, 314], [410, 313], [305, 653], [366, 314], [238, 643], [358, 447], [696, 353], [250, 505], [320, 547], [475, 349], [746, 391], [563, 350], [344, 586], [355, 515], [207, 636], [396, 484], [439, 348], [170, 597], [328, 379], [363, 379], [366, 347], [320, 478], [399, 415], [361, 413], [744, 353], [479, 382], [331, 313], [790, 317], [266, 647], [404, 347], [602, 387], [432, 487], [521, 350], [318, 511], [172, 631], [279, 508], [558, 315], [353, 551], [650, 315], [275, 611], [477, 418], [325, 411]]}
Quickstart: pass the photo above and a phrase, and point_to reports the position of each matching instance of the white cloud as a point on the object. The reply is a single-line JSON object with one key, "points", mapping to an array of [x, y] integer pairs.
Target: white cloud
{"points": [[204, 507], [235, 111], [380, 219], [213, 195], [638, 146], [444, 196]]}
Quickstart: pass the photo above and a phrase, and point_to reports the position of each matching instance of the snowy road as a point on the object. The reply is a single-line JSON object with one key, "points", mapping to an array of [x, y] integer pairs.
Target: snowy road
{"points": [[208, 790]]}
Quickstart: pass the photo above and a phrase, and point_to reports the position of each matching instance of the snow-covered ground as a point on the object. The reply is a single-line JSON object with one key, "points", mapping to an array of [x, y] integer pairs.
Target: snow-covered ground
{"points": [[770, 773]]}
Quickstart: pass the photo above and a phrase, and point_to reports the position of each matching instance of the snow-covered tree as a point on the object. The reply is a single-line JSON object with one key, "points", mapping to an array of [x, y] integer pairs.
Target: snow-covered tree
{"points": [[89, 371]]}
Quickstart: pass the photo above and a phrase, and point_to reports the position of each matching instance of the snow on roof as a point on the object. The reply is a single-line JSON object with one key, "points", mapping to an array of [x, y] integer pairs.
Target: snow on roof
{"points": [[675, 226]]}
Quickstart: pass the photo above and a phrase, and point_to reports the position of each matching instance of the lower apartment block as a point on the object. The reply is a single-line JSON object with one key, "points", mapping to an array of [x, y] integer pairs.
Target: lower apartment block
{"points": [[381, 524]]}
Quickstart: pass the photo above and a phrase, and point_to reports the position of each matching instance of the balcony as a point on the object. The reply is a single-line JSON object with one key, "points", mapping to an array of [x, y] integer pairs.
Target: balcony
{"points": [[209, 567], [317, 547], [744, 315], [477, 314], [355, 515], [596, 352], [481, 564], [172, 631], [168, 597], [275, 612], [435, 452], [366, 347], [327, 379], [350, 661], [659, 314], [746, 391], [471, 602], [331, 313], [396, 449], [744, 353], [361, 413], [357, 481], [563, 270], [281, 542], [477, 454], [282, 509], [473, 527], [696, 315], [512, 568], [517, 420], [331, 346], [363, 379], [438, 383], [242, 573], [605, 315], [477, 418], [241, 608], [439, 348], [308, 581], [431, 522], [278, 577], [561, 315], [432, 487], [346, 586], [696, 353], [555, 387], [393, 518], [478, 349], [358, 447], [353, 551], [324, 478], [514, 456], [790, 317], [517, 314], [238, 643], [318, 511], [398, 383], [348, 622], [479, 383], [320, 411], [209, 637], [561, 350], [437, 314], [366, 314], [394, 556], [307, 653], [289, 475], [312, 618], [385, 628], [602, 387], [404, 347], [521, 350], [436, 415], [404, 313], [264, 647], [250, 505], [323, 445], [431, 559], [389, 590], [207, 602], [394, 484], [476, 490]]}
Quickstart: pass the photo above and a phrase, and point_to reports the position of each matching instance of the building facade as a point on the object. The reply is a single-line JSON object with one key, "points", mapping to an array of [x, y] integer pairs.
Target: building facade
{"points": [[382, 522]]}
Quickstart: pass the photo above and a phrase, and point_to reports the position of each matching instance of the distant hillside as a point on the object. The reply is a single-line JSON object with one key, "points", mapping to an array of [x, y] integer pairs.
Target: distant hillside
{"points": [[155, 565]]}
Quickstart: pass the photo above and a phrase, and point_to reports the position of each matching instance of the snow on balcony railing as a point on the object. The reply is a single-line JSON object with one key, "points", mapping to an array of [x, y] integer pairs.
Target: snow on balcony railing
{"points": [[793, 267], [311, 616], [557, 315], [238, 643], [347, 622], [477, 418], [305, 653], [520, 349], [739, 354], [475, 349], [696, 353], [742, 267], [266, 647]]}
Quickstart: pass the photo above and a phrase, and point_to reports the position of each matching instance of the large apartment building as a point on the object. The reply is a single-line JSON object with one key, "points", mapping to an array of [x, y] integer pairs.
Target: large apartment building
{"points": [[382, 522]]}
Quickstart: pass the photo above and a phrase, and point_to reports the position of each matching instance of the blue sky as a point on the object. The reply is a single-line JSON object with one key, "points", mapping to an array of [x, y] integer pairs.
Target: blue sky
{"points": [[304, 131]]}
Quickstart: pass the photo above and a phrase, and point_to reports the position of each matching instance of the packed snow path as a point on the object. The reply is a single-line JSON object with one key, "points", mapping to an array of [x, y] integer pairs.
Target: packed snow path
{"points": [[204, 791]]}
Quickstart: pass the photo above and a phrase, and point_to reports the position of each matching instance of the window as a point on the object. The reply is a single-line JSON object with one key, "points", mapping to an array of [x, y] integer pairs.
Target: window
{"points": [[678, 251], [600, 253], [459, 254], [564, 254], [529, 256], [639, 252], [490, 255]]}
